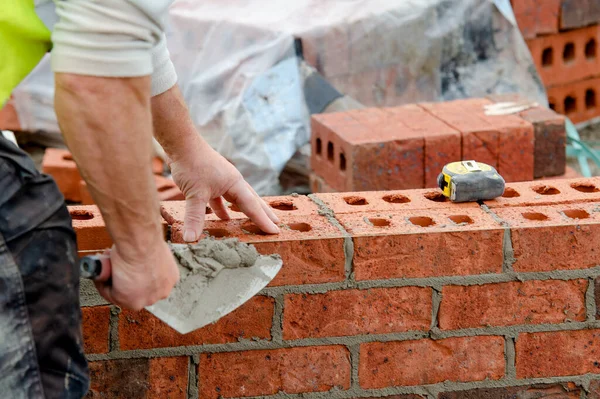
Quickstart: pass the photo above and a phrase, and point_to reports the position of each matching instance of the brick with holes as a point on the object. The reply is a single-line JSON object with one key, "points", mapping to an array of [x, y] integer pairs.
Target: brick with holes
{"points": [[550, 238], [505, 142], [425, 243], [567, 57], [311, 247], [60, 165], [577, 100]]}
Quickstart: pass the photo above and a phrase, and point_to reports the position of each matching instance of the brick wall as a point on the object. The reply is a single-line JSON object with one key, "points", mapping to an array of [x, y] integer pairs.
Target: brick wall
{"points": [[383, 294]]}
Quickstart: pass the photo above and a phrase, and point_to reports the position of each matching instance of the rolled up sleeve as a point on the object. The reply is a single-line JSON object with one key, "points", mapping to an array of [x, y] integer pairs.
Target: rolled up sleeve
{"points": [[113, 38]]}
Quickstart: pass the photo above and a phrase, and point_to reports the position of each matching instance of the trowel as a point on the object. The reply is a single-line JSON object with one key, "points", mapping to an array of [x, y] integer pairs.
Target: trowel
{"points": [[216, 277]]}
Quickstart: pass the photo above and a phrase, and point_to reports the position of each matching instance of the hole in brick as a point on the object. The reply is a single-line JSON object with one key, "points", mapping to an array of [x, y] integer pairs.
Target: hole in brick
{"points": [[422, 221], [217, 233], [569, 52], [234, 208], [319, 148], [356, 200], [436, 196], [342, 162], [552, 103], [510, 192], [590, 49], [251, 228], [590, 99], [534, 216], [330, 151], [379, 222], [303, 227], [547, 57], [283, 205], [80, 214], [570, 104], [461, 219], [546, 190], [67, 157], [585, 187], [396, 198], [576, 214]]}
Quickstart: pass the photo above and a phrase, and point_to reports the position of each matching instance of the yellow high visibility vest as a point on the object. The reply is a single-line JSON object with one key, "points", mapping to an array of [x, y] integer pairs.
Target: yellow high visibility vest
{"points": [[24, 39]]}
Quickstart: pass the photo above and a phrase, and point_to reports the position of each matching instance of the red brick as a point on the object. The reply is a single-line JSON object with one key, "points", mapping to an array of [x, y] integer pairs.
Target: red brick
{"points": [[536, 17], [266, 372], [164, 378], [579, 13], [594, 391], [505, 142], [539, 391], [96, 325], [60, 165], [555, 354], [406, 250], [577, 100], [167, 189], [545, 239], [283, 206], [319, 185], [352, 312], [309, 257], [390, 201], [557, 65], [570, 173], [507, 304], [90, 228], [388, 364], [555, 192], [141, 330], [550, 137]]}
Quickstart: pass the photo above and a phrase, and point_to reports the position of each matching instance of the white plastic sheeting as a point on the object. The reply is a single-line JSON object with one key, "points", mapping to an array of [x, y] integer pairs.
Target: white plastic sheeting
{"points": [[240, 77]]}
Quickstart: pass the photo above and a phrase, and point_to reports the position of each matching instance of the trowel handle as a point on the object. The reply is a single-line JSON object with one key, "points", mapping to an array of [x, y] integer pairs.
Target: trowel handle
{"points": [[91, 266]]}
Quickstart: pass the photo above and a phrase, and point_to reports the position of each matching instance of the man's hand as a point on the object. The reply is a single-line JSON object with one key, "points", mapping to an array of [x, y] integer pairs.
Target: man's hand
{"points": [[202, 174]]}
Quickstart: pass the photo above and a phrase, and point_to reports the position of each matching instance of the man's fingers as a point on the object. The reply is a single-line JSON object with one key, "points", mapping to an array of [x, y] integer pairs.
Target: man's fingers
{"points": [[268, 210], [218, 207], [195, 211], [241, 195]]}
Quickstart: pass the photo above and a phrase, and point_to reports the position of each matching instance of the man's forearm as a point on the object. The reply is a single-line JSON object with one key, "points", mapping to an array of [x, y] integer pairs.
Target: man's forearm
{"points": [[107, 125]]}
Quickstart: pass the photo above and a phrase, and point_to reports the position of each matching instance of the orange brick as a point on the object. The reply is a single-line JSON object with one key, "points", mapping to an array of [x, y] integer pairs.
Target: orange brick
{"points": [[554, 354], [388, 364], [562, 58], [559, 191], [90, 228], [536, 17], [570, 173], [267, 372], [352, 312], [9, 120], [424, 244], [505, 142], [157, 166], [554, 237], [318, 185], [577, 100], [579, 13], [507, 304], [141, 330], [390, 201], [96, 325], [60, 165], [157, 378], [311, 248]]}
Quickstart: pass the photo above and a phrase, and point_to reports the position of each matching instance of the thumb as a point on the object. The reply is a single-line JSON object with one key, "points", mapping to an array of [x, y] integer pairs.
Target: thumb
{"points": [[193, 223]]}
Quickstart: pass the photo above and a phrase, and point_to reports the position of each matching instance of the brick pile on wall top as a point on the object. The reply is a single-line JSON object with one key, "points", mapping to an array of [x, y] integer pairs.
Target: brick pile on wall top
{"points": [[396, 294], [406, 147]]}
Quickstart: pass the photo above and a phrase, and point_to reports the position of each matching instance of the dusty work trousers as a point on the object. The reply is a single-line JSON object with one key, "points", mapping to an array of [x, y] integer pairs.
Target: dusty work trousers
{"points": [[41, 350]]}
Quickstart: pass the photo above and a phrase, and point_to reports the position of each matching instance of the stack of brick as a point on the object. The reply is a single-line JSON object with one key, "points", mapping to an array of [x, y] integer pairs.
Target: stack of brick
{"points": [[563, 37], [59, 164], [384, 294], [406, 147]]}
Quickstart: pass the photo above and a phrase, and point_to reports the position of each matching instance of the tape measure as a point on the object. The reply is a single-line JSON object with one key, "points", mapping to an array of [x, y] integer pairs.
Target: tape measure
{"points": [[468, 181]]}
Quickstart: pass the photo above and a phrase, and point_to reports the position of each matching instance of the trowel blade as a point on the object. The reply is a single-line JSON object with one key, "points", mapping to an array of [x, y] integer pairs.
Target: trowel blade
{"points": [[227, 291]]}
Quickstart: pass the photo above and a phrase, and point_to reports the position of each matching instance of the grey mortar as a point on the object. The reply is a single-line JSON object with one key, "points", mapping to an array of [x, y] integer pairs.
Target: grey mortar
{"points": [[277, 323], [509, 353], [508, 253], [113, 332], [193, 369], [590, 300]]}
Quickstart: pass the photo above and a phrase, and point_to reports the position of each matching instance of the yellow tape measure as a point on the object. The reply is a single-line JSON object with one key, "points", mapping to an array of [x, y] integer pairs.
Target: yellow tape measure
{"points": [[468, 181]]}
